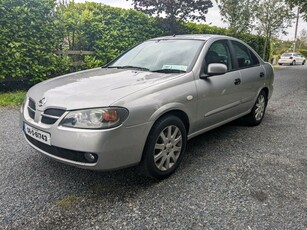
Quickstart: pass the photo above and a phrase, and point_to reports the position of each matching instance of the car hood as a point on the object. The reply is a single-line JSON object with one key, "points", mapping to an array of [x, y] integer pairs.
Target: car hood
{"points": [[93, 88]]}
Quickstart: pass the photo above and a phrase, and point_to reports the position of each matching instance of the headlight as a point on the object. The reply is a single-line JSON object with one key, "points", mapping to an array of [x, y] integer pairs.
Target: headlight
{"points": [[102, 118]]}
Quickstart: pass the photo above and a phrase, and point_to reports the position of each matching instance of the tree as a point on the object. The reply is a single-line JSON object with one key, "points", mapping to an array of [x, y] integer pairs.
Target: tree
{"points": [[238, 14], [279, 46], [302, 4], [273, 17], [302, 40], [71, 17], [174, 11]]}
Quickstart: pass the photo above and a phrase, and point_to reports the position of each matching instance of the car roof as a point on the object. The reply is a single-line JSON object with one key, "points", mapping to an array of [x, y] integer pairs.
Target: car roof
{"points": [[203, 37]]}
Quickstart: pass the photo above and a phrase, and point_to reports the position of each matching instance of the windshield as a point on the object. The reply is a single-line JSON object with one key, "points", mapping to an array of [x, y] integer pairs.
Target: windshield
{"points": [[161, 56]]}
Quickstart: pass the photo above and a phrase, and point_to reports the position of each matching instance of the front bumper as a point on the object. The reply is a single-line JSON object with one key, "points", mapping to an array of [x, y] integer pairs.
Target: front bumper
{"points": [[116, 148]]}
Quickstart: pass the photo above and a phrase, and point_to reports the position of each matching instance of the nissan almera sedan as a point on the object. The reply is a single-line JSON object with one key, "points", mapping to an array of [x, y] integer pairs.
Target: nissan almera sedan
{"points": [[141, 108]]}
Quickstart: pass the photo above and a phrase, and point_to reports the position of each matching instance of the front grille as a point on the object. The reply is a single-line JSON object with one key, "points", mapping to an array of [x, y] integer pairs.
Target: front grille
{"points": [[60, 152], [54, 112], [50, 116], [31, 108]]}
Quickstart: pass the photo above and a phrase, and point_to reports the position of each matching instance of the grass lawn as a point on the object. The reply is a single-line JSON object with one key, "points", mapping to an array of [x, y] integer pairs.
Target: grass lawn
{"points": [[12, 99]]}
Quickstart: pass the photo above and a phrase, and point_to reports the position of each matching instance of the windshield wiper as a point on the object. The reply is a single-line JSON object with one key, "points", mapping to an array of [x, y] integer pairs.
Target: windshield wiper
{"points": [[168, 71], [129, 67]]}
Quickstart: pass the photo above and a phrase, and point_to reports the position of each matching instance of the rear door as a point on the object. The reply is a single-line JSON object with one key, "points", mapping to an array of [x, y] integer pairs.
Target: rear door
{"points": [[251, 72]]}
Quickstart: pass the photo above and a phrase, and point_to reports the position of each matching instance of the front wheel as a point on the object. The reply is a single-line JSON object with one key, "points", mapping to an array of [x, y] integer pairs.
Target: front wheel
{"points": [[256, 115], [164, 147], [303, 62]]}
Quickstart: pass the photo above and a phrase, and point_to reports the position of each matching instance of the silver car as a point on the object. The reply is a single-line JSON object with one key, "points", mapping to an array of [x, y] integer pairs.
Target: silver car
{"points": [[141, 108]]}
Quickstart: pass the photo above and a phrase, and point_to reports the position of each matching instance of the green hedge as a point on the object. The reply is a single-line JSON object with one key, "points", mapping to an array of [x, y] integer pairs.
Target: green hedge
{"points": [[109, 31], [29, 37], [106, 30], [304, 52], [256, 42], [31, 31]]}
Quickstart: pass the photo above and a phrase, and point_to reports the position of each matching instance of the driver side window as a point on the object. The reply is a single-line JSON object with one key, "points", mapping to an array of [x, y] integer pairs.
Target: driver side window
{"points": [[218, 53]]}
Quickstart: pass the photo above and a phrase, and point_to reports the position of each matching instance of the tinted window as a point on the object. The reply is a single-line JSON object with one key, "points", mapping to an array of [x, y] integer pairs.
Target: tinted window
{"points": [[244, 56], [218, 53]]}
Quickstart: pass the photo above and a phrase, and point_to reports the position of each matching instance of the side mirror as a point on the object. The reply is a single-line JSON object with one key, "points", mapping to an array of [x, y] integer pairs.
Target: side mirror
{"points": [[215, 69]]}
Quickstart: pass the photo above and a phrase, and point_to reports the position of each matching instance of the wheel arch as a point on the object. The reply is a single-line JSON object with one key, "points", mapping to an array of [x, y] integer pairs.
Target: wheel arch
{"points": [[174, 112], [177, 113], [143, 165], [266, 90]]}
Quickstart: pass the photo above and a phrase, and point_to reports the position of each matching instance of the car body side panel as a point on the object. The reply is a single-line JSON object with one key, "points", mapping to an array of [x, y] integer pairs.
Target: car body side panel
{"points": [[252, 83], [150, 104], [218, 98], [269, 78]]}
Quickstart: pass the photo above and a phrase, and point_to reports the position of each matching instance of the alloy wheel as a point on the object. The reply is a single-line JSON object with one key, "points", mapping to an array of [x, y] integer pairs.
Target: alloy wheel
{"points": [[168, 148], [260, 107]]}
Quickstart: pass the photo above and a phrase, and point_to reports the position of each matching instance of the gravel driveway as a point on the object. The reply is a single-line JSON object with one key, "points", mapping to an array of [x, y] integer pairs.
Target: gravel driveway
{"points": [[234, 177]]}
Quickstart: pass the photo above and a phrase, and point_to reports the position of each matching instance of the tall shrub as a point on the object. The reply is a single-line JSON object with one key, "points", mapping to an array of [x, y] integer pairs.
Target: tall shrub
{"points": [[29, 38], [106, 30]]}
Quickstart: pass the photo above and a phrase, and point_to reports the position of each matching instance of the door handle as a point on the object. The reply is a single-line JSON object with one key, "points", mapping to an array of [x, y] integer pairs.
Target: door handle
{"points": [[237, 81], [262, 74]]}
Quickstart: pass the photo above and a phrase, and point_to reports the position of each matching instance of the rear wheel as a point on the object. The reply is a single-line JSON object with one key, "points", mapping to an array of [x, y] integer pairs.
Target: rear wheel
{"points": [[293, 63], [279, 64], [256, 115], [303, 62], [164, 148]]}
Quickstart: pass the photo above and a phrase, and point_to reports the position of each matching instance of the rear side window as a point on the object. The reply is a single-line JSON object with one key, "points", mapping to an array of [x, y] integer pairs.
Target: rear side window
{"points": [[244, 56]]}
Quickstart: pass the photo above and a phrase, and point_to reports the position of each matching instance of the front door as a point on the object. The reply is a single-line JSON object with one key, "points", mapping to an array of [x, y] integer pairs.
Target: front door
{"points": [[219, 96]]}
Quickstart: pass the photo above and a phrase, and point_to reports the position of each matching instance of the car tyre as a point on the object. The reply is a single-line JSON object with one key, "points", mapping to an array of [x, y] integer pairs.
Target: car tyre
{"points": [[279, 63], [164, 148], [303, 62], [293, 63], [256, 115]]}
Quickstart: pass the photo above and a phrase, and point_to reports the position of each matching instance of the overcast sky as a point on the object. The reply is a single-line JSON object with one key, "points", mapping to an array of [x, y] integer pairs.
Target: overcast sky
{"points": [[213, 16]]}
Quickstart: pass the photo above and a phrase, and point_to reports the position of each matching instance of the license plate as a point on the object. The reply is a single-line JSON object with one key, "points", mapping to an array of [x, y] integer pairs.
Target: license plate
{"points": [[37, 134]]}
